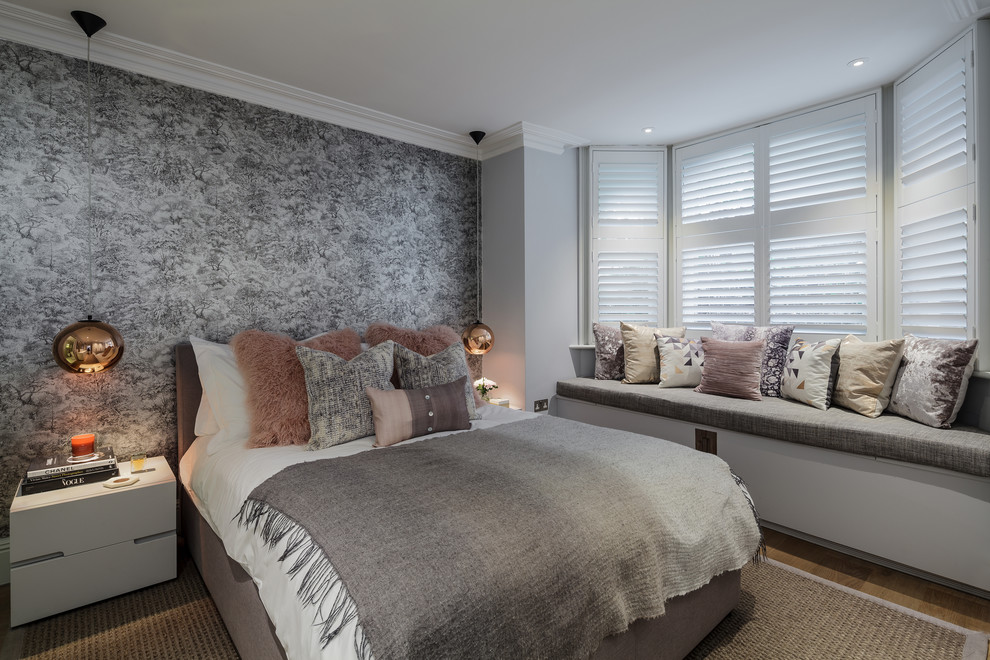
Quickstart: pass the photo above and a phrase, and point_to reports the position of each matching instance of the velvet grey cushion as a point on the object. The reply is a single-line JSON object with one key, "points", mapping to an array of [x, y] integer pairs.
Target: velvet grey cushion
{"points": [[339, 409], [417, 371], [776, 339], [932, 379], [962, 448], [609, 355]]}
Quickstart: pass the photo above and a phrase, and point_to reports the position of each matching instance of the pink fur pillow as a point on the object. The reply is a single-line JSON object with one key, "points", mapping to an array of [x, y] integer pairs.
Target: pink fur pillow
{"points": [[276, 383], [425, 342]]}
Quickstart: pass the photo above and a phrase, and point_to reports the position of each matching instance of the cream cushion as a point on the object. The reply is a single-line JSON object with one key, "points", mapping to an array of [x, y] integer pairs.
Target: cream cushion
{"points": [[642, 363], [866, 374]]}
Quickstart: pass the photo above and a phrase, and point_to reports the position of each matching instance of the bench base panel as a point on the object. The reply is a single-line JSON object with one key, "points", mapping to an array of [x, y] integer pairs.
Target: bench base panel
{"points": [[926, 521]]}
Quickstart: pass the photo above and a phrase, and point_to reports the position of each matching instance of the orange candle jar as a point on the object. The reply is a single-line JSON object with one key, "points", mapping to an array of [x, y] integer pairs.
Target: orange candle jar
{"points": [[83, 444]]}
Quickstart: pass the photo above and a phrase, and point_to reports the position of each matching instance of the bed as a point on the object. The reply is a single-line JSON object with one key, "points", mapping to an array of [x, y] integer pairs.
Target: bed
{"points": [[234, 582]]}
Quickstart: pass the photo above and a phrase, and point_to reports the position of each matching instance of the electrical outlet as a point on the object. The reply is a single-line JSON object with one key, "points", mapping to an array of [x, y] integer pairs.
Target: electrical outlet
{"points": [[541, 405]]}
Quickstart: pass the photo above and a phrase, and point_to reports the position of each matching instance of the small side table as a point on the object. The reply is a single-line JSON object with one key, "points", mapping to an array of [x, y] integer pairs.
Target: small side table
{"points": [[81, 544]]}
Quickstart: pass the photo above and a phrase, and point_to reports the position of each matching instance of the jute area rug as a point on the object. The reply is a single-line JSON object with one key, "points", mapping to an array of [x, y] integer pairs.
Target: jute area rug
{"points": [[783, 613]]}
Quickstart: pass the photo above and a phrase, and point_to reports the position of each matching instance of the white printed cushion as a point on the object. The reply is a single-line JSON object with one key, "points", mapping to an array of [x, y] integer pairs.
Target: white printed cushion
{"points": [[810, 372], [681, 361]]}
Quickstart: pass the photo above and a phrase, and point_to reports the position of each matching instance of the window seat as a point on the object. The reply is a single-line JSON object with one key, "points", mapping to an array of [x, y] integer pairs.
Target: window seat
{"points": [[961, 449], [889, 489]]}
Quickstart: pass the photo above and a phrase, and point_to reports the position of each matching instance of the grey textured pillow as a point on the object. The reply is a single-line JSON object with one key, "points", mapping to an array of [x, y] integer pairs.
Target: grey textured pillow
{"points": [[932, 380], [732, 368], [339, 409], [610, 359], [775, 341], [418, 371]]}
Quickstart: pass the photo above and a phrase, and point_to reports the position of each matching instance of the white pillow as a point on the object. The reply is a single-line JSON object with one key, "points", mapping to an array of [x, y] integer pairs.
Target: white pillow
{"points": [[810, 372], [224, 389], [681, 361], [206, 421]]}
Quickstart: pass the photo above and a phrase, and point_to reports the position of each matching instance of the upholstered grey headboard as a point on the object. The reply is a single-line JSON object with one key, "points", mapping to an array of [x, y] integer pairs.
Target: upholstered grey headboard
{"points": [[188, 392]]}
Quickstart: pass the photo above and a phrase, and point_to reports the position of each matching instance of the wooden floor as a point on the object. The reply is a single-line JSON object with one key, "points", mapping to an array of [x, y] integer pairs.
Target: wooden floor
{"points": [[908, 591], [902, 589]]}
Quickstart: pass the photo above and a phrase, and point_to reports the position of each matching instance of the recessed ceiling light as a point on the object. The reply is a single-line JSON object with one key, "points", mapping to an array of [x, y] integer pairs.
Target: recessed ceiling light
{"points": [[858, 62], [648, 130]]}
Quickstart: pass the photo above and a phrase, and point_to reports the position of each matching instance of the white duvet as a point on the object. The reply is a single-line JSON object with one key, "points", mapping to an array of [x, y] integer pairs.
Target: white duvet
{"points": [[220, 480]]}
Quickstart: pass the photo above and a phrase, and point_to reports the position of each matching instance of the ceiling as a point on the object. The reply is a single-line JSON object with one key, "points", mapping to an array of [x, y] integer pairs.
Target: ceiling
{"points": [[600, 71]]}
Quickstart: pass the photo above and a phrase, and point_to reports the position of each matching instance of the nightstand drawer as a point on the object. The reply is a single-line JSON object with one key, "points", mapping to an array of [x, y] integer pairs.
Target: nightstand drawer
{"points": [[82, 518], [51, 586]]}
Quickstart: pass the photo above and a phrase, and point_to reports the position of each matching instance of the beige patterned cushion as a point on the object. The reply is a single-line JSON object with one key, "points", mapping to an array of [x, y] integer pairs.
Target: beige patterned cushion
{"points": [[810, 372], [403, 414], [339, 409], [642, 362], [681, 361], [732, 368], [932, 380], [866, 374]]}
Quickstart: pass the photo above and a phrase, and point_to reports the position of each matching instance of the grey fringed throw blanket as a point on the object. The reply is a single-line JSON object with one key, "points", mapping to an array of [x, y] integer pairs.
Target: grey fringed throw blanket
{"points": [[535, 539]]}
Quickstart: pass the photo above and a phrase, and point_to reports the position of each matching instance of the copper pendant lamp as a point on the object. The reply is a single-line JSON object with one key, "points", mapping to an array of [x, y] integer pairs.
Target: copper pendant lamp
{"points": [[88, 346], [478, 338]]}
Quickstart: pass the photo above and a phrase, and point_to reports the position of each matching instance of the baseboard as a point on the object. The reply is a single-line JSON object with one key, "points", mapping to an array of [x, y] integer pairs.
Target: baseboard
{"points": [[5, 560], [910, 570]]}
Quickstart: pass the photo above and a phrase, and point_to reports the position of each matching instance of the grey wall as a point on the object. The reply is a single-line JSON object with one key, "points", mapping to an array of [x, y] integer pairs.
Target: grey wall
{"points": [[530, 257], [504, 273], [551, 269], [212, 216]]}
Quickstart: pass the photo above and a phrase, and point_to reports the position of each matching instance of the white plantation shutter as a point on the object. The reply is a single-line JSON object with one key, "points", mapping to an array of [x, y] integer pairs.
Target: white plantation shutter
{"points": [[819, 164], [628, 287], [718, 284], [627, 230], [719, 185], [819, 284], [796, 200], [934, 194]]}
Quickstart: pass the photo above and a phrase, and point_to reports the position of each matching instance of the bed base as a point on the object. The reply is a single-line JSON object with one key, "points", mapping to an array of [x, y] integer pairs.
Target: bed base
{"points": [[688, 619]]}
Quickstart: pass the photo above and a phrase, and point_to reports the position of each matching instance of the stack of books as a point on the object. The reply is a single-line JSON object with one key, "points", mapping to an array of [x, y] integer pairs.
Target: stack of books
{"points": [[60, 471]]}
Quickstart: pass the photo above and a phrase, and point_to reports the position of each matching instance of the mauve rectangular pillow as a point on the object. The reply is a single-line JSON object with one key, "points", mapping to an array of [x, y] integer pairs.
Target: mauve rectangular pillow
{"points": [[732, 368], [403, 414]]}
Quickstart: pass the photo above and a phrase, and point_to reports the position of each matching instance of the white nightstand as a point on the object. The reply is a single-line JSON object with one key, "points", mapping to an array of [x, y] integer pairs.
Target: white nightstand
{"points": [[77, 545]]}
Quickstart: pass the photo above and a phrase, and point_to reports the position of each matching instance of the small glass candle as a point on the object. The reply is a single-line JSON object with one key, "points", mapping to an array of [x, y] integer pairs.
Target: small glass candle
{"points": [[83, 444]]}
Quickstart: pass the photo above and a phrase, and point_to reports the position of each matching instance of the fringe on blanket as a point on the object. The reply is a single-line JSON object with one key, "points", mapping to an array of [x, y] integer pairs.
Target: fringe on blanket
{"points": [[761, 551], [319, 578]]}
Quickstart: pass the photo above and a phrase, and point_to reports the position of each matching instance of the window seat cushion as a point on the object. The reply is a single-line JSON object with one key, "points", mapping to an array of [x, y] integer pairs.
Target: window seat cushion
{"points": [[961, 449]]}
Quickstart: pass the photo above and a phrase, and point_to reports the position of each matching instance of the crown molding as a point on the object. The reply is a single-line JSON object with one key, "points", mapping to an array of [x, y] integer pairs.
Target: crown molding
{"points": [[963, 10], [525, 134], [63, 36]]}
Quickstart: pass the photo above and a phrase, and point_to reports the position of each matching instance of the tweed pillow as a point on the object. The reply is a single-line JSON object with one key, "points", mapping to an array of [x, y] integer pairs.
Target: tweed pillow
{"points": [[403, 414], [610, 358], [776, 339], [810, 372], [866, 374], [681, 361], [418, 371], [732, 368], [276, 385], [932, 380], [641, 357], [339, 409]]}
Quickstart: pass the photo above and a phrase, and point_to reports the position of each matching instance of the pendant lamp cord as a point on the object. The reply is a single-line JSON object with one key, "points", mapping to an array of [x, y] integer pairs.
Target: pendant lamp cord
{"points": [[89, 158], [477, 225]]}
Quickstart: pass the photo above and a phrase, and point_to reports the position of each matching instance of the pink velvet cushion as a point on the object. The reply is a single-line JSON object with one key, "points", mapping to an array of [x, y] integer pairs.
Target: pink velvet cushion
{"points": [[276, 383], [425, 342], [732, 368], [403, 414]]}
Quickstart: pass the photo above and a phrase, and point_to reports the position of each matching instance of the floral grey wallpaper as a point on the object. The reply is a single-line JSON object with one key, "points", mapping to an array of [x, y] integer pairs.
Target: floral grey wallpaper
{"points": [[212, 215]]}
